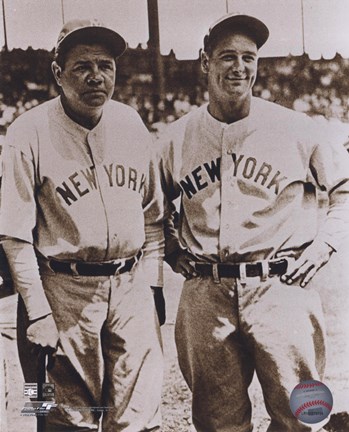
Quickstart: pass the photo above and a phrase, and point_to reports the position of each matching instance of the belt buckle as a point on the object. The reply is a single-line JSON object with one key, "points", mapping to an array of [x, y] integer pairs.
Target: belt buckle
{"points": [[279, 259]]}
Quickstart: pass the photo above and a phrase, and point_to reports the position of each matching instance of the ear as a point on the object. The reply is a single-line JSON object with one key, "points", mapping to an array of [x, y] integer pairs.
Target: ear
{"points": [[57, 72], [204, 61]]}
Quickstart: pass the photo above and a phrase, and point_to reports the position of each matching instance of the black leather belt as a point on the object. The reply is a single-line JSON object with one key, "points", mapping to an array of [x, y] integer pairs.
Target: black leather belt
{"points": [[227, 270], [81, 268]]}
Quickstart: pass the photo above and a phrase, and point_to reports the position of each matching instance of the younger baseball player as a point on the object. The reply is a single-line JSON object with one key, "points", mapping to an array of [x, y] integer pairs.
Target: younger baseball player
{"points": [[248, 243], [81, 213]]}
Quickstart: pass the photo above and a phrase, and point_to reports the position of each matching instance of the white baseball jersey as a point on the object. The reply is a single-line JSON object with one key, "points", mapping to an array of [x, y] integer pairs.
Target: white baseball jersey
{"points": [[248, 189], [79, 194]]}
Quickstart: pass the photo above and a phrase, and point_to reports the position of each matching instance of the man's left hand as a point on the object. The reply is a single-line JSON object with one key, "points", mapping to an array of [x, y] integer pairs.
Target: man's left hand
{"points": [[160, 306], [308, 264]]}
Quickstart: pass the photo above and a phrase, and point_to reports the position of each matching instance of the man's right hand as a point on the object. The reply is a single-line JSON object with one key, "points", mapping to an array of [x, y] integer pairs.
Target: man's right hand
{"points": [[43, 333], [182, 262]]}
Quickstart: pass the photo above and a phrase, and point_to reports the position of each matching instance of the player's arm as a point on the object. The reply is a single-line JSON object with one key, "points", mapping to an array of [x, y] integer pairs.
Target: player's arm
{"points": [[17, 222], [153, 208], [179, 259], [153, 248], [25, 273], [330, 168]]}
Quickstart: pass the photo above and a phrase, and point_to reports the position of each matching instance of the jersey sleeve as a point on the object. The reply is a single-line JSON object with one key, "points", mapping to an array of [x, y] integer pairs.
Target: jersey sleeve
{"points": [[153, 208], [26, 278], [329, 166], [18, 220], [18, 206], [165, 160]]}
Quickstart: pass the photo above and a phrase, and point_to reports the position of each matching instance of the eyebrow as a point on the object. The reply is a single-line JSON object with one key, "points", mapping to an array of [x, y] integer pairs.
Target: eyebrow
{"points": [[86, 62], [231, 51]]}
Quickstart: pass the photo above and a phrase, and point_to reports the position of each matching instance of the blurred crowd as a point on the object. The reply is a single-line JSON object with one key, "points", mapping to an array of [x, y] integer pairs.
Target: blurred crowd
{"points": [[173, 106], [313, 87]]}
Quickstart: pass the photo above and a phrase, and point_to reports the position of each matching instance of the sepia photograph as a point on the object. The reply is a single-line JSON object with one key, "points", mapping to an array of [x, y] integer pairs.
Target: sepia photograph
{"points": [[174, 216]]}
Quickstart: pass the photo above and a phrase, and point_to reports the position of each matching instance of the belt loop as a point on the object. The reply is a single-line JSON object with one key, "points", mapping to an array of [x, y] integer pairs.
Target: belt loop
{"points": [[243, 276], [265, 270], [215, 273], [74, 269], [120, 266]]}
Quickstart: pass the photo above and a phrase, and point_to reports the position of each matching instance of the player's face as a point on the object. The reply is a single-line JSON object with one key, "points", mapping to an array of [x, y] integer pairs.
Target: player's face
{"points": [[232, 67], [88, 76]]}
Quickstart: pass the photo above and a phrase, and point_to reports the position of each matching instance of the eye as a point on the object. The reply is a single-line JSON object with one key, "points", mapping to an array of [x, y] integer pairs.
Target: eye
{"points": [[80, 68], [106, 66], [228, 57], [249, 58]]}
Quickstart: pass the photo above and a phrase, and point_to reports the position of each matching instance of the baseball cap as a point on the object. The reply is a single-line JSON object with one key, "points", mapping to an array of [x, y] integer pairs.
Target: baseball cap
{"points": [[75, 31], [253, 26]]}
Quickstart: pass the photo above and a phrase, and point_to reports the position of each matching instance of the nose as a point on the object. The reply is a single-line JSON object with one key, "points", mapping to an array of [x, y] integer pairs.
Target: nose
{"points": [[95, 77], [238, 66]]}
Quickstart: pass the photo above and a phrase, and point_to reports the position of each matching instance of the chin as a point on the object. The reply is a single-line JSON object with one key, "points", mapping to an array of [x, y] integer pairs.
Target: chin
{"points": [[97, 101]]}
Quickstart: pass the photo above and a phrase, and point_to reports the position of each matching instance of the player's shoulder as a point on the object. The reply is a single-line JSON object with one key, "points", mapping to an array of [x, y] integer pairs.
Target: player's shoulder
{"points": [[33, 117], [273, 111], [23, 132], [190, 118], [174, 133], [115, 109], [278, 118]]}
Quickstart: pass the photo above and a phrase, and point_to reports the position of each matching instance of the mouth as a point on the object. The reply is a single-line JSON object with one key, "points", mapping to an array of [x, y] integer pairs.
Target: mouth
{"points": [[236, 82], [95, 92], [235, 79]]}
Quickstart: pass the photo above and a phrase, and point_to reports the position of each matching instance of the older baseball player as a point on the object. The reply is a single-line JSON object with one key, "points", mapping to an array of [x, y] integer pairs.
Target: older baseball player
{"points": [[247, 171], [82, 217]]}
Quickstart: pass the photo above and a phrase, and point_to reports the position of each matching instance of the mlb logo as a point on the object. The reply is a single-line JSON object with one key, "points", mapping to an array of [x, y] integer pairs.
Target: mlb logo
{"points": [[30, 390]]}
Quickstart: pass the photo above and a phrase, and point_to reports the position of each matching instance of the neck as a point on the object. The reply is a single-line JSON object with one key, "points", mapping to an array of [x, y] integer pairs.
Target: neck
{"points": [[88, 118], [229, 111]]}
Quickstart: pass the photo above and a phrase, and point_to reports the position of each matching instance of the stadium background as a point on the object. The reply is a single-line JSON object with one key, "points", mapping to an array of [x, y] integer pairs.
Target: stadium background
{"points": [[317, 87]]}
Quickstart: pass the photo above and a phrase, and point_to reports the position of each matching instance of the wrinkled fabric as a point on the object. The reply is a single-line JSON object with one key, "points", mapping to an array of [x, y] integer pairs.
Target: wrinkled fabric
{"points": [[109, 355], [227, 331]]}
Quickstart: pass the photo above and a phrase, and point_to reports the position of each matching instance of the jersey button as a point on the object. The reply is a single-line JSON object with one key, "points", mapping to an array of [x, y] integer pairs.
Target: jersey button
{"points": [[230, 151]]}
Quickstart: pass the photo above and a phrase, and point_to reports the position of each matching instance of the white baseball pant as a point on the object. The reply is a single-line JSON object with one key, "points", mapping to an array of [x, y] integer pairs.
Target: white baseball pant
{"points": [[109, 362], [226, 331]]}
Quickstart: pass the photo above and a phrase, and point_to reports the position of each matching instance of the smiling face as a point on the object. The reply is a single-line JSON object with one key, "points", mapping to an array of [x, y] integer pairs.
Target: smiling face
{"points": [[231, 66], [87, 78]]}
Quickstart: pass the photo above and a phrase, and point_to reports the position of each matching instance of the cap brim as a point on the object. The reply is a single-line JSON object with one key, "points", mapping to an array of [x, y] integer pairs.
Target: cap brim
{"points": [[251, 25], [110, 38]]}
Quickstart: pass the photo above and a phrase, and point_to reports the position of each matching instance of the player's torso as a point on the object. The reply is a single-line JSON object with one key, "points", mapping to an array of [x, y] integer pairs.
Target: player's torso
{"points": [[90, 187], [240, 183]]}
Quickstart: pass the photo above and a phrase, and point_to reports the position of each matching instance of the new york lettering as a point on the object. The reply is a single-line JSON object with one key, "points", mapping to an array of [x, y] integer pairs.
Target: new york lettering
{"points": [[83, 181], [243, 167]]}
